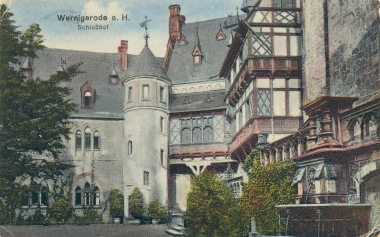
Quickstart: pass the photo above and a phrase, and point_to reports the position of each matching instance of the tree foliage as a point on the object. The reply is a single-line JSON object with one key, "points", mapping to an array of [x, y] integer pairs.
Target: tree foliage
{"points": [[33, 117], [137, 204], [117, 203], [212, 210], [268, 186]]}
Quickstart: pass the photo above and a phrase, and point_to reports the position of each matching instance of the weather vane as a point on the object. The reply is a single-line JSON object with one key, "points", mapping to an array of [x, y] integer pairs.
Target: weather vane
{"points": [[144, 24]]}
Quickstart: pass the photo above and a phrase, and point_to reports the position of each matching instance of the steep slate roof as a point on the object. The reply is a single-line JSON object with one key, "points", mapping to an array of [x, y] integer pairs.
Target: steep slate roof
{"points": [[197, 101], [181, 68], [108, 97], [146, 64]]}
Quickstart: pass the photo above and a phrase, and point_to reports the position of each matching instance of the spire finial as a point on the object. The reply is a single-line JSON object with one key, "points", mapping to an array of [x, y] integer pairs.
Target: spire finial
{"points": [[144, 24], [197, 37], [237, 13]]}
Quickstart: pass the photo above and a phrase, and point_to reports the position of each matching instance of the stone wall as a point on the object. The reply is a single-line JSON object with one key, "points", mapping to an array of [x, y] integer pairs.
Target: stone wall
{"points": [[354, 48], [314, 63]]}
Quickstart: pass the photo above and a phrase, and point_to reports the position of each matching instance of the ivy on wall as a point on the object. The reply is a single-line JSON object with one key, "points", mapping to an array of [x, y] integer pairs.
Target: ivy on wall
{"points": [[268, 186]]}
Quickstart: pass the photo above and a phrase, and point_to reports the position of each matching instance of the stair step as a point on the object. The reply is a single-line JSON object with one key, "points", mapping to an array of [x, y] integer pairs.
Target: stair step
{"points": [[174, 232], [178, 228]]}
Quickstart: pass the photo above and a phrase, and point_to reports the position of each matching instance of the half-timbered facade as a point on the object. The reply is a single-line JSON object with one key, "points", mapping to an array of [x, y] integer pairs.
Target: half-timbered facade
{"points": [[263, 75]]}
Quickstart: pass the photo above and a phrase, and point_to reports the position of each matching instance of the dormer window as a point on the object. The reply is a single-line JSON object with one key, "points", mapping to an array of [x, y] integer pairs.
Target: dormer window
{"points": [[113, 77], [87, 98], [182, 40], [220, 35], [88, 95], [197, 56], [197, 59]]}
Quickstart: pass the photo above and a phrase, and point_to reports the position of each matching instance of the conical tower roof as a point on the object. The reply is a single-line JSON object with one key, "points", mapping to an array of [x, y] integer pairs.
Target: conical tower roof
{"points": [[146, 64]]}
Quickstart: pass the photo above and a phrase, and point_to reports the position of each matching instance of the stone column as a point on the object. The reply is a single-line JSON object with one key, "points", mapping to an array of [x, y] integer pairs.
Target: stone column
{"points": [[326, 134], [312, 137]]}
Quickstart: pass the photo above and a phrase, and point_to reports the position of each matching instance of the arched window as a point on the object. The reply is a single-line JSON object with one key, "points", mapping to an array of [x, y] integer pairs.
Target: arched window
{"points": [[96, 198], [78, 196], [129, 147], [87, 194], [44, 196], [87, 138], [35, 198], [197, 135], [207, 134], [185, 135], [96, 140], [87, 98], [78, 140]]}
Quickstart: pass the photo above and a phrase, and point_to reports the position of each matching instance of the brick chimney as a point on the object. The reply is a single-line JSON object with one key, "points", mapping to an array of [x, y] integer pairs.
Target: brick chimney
{"points": [[175, 22], [122, 49]]}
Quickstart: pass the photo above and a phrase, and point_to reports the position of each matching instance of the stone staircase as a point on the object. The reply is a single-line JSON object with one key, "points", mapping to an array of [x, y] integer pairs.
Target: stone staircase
{"points": [[177, 230]]}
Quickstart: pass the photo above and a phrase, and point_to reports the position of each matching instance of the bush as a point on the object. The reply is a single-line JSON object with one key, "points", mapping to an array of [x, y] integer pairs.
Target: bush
{"points": [[90, 216], [157, 211], [212, 211], [60, 211], [137, 204], [117, 203], [37, 217]]}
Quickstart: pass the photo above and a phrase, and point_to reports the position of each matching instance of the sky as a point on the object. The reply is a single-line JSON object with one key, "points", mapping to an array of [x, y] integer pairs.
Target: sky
{"points": [[65, 34]]}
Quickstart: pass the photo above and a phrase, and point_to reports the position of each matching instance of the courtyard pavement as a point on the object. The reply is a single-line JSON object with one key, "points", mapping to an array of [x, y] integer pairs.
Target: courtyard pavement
{"points": [[98, 230]]}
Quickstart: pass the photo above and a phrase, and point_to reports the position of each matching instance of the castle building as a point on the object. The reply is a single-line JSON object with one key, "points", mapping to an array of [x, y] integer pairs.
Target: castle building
{"points": [[143, 121], [298, 78]]}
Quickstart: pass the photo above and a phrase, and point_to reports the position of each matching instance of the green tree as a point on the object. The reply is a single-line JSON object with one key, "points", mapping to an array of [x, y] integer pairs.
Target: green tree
{"points": [[117, 203], [137, 204], [33, 117], [212, 210], [268, 186]]}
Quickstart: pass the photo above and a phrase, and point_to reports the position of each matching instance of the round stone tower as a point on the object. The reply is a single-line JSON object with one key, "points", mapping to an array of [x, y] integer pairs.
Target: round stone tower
{"points": [[146, 107]]}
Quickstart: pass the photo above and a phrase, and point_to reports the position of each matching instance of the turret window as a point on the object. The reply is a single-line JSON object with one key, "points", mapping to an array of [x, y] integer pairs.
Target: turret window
{"points": [[130, 97], [146, 178], [129, 147], [161, 93], [145, 91]]}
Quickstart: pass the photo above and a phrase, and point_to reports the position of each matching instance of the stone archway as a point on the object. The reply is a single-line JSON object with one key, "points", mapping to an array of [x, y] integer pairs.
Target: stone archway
{"points": [[367, 181]]}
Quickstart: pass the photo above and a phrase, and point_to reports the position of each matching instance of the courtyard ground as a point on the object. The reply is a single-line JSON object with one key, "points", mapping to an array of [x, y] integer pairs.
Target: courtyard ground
{"points": [[100, 230]]}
